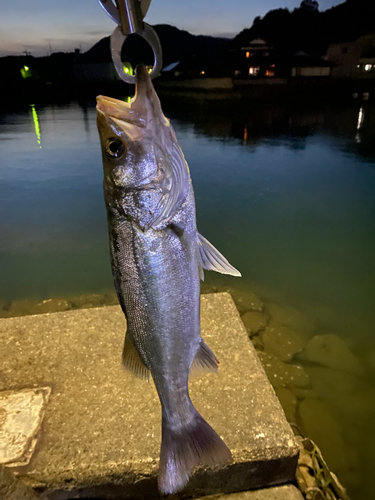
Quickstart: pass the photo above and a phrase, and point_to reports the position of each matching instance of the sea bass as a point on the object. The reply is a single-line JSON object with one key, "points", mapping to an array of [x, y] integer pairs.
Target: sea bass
{"points": [[157, 258]]}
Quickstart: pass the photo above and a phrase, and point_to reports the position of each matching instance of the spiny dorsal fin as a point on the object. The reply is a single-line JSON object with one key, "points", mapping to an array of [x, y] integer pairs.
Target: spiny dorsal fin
{"points": [[211, 259], [205, 361], [132, 361]]}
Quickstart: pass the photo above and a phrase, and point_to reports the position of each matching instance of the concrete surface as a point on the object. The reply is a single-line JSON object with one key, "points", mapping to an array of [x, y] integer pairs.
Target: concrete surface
{"points": [[285, 492], [12, 488], [101, 433]]}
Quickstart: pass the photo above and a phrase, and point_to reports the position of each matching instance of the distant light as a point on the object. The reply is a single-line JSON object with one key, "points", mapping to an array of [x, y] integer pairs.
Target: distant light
{"points": [[361, 117], [368, 67], [247, 54], [203, 72], [26, 72], [126, 70], [149, 70], [36, 125], [254, 70]]}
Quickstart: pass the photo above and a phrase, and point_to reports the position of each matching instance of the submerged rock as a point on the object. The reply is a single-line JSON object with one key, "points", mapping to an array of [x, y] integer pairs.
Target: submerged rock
{"points": [[254, 322], [329, 350], [22, 307], [282, 374], [282, 341], [257, 343], [52, 305], [291, 317], [111, 299], [347, 394], [288, 402], [87, 300], [4, 306], [206, 288], [320, 425], [245, 300]]}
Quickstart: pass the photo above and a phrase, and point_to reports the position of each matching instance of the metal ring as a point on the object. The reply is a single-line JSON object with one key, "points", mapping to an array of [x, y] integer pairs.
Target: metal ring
{"points": [[117, 41]]}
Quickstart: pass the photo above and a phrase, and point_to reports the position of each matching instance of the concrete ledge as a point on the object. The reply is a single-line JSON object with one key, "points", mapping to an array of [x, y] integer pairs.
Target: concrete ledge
{"points": [[101, 433], [286, 492]]}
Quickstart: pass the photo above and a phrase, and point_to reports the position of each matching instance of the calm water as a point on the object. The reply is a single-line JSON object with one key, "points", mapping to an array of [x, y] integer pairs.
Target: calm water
{"points": [[287, 194]]}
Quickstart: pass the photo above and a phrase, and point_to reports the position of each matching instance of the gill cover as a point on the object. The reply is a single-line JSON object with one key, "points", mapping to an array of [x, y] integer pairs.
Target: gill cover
{"points": [[142, 119]]}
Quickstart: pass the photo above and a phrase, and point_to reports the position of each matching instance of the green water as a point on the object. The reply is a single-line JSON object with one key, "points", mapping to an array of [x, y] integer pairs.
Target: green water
{"points": [[287, 193]]}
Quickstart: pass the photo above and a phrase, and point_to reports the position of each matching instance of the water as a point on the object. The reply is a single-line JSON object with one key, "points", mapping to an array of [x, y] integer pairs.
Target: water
{"points": [[286, 193]]}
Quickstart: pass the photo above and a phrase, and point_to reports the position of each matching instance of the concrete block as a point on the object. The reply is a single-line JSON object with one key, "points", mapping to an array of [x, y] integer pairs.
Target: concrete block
{"points": [[285, 492], [101, 433], [12, 488]]}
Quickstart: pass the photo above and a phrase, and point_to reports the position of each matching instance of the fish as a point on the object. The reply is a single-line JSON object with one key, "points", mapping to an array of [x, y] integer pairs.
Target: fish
{"points": [[157, 259]]}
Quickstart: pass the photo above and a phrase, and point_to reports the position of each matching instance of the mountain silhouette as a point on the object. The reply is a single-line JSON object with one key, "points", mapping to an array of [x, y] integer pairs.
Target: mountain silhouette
{"points": [[177, 45]]}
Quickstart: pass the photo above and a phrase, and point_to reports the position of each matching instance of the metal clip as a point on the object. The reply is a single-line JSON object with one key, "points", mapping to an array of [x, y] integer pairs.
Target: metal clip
{"points": [[129, 16]]}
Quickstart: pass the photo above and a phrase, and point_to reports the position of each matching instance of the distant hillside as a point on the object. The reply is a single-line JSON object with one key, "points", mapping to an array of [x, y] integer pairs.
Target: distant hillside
{"points": [[178, 45], [310, 30]]}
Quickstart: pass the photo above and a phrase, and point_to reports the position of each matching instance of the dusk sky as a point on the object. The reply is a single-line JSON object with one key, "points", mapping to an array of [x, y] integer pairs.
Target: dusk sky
{"points": [[64, 25]]}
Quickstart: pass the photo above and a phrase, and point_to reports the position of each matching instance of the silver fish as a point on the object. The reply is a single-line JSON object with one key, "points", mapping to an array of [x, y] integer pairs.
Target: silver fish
{"points": [[157, 258]]}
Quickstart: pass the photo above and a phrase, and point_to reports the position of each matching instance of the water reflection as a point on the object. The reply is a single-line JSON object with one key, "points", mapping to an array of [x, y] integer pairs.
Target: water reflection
{"points": [[252, 124]]}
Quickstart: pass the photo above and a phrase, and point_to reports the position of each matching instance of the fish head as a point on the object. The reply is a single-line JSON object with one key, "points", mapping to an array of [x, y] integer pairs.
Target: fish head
{"points": [[140, 149]]}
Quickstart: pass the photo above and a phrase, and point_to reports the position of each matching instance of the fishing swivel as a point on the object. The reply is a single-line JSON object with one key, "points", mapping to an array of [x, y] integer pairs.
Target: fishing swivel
{"points": [[128, 15]]}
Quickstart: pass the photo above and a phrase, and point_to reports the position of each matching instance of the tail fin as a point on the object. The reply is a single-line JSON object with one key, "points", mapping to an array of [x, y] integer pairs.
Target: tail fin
{"points": [[184, 448]]}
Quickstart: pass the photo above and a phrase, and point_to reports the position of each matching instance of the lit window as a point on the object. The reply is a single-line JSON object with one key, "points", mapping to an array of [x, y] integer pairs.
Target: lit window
{"points": [[203, 72], [247, 54], [254, 70], [368, 67]]}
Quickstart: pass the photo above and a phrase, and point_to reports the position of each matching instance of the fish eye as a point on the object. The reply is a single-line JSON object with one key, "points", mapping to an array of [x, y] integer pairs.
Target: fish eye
{"points": [[114, 147]]}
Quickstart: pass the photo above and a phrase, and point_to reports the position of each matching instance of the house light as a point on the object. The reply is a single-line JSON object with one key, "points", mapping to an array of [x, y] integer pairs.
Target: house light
{"points": [[202, 72], [368, 67], [254, 70], [247, 54]]}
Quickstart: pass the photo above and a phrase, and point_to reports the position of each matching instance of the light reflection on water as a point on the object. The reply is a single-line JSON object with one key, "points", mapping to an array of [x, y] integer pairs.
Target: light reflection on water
{"points": [[286, 194]]}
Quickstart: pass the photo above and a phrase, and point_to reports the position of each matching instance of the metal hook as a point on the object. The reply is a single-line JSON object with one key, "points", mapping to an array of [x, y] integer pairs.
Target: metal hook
{"points": [[117, 41], [129, 16]]}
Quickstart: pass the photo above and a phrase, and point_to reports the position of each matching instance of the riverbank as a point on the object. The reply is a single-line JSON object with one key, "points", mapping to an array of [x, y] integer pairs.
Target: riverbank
{"points": [[263, 89]]}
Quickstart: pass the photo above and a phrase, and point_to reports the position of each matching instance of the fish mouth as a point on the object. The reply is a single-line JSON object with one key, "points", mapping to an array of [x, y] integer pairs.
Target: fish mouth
{"points": [[141, 108]]}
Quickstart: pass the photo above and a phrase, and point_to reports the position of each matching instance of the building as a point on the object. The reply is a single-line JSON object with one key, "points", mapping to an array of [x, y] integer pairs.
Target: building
{"points": [[305, 66], [255, 59], [354, 59]]}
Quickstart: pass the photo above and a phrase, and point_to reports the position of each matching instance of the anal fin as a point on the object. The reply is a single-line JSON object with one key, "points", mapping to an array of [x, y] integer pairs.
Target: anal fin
{"points": [[205, 361], [132, 361]]}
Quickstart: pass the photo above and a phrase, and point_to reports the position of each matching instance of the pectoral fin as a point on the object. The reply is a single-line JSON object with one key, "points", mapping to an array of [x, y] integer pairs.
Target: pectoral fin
{"points": [[212, 260], [132, 361], [205, 361]]}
